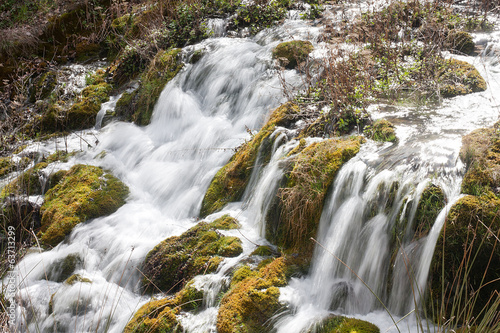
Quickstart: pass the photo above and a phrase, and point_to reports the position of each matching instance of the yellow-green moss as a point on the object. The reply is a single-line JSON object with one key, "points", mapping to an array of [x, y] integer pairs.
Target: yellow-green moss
{"points": [[301, 201], [6, 166], [177, 259], [230, 181], [262, 250], [76, 278], [138, 106], [431, 203], [83, 113], [251, 302], [159, 315], [481, 153], [43, 86], [84, 193], [339, 324], [381, 130], [460, 41], [27, 183], [225, 222], [459, 78], [469, 250], [292, 53]]}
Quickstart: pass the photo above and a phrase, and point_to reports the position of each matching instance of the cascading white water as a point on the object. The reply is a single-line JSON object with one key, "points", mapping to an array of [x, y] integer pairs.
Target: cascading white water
{"points": [[201, 115]]}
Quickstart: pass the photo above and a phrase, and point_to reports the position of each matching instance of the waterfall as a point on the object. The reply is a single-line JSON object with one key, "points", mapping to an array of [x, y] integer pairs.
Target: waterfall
{"points": [[201, 117]]}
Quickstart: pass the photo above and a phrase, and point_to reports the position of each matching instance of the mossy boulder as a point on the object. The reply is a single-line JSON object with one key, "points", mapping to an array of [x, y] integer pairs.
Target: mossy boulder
{"points": [[84, 193], [61, 269], [138, 105], [381, 130], [231, 180], [83, 113], [460, 78], [460, 41], [252, 301], [178, 259], [29, 182], [295, 216], [225, 222], [481, 153], [76, 278], [339, 324], [160, 315], [466, 261], [292, 53], [431, 203], [8, 165]]}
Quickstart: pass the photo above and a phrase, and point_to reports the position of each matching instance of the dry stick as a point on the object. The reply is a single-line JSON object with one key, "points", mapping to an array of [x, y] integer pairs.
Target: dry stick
{"points": [[360, 279]]}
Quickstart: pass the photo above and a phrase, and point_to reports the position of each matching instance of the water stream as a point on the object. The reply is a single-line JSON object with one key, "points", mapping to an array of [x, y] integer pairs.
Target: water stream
{"points": [[201, 116]]}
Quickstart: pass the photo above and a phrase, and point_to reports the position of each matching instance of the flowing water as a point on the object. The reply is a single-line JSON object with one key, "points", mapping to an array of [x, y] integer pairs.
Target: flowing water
{"points": [[201, 116]]}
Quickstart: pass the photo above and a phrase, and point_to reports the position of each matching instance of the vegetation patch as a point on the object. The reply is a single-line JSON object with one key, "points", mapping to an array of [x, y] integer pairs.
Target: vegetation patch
{"points": [[339, 324], [160, 315], [290, 54], [225, 222], [466, 263], [253, 300], [431, 203], [230, 181], [177, 259], [460, 78], [381, 130], [301, 200], [85, 192], [138, 106]]}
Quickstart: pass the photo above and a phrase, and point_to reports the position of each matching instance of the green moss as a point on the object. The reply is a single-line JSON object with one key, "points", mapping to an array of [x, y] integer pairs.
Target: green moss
{"points": [[59, 156], [6, 166], [459, 78], [301, 200], [177, 259], [63, 268], [120, 23], [159, 315], [290, 54], [241, 274], [230, 181], [381, 130], [76, 278], [138, 106], [156, 316], [27, 183], [468, 249], [83, 113], [263, 250], [481, 153], [431, 203], [339, 324], [251, 302], [225, 222], [460, 41], [85, 192]]}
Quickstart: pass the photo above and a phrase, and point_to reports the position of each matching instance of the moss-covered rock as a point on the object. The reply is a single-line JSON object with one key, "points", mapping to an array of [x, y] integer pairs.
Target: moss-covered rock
{"points": [[466, 261], [85, 192], [251, 302], [29, 182], [292, 53], [138, 105], [159, 315], [76, 278], [230, 181], [225, 222], [300, 201], [339, 324], [481, 153], [460, 78], [62, 269], [83, 113], [178, 259], [381, 130], [431, 203], [460, 41]]}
